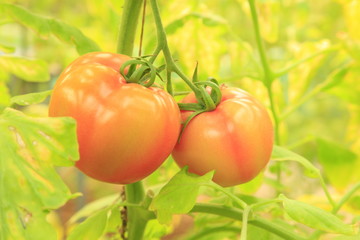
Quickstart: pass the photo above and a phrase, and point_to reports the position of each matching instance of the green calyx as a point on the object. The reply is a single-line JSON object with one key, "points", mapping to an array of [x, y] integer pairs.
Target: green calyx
{"points": [[207, 101], [140, 71]]}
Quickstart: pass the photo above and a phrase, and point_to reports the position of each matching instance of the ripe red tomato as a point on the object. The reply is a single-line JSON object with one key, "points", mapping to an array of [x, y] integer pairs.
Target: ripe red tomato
{"points": [[125, 131], [235, 139]]}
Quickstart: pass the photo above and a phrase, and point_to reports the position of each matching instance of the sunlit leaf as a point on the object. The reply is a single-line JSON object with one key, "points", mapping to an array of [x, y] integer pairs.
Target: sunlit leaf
{"points": [[316, 218], [30, 98], [178, 195], [92, 228], [115, 222], [93, 207], [155, 230], [32, 70], [102, 217], [46, 26], [194, 45], [341, 166], [30, 147]]}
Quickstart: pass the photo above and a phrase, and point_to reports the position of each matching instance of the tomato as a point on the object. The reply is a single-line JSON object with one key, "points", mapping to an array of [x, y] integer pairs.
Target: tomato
{"points": [[235, 139], [125, 130]]}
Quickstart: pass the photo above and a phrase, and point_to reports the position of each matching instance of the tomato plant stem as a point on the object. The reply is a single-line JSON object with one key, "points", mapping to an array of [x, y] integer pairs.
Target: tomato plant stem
{"points": [[268, 77], [244, 224], [328, 195], [237, 200], [142, 27], [237, 214], [346, 197], [163, 45], [208, 231], [127, 31], [134, 193]]}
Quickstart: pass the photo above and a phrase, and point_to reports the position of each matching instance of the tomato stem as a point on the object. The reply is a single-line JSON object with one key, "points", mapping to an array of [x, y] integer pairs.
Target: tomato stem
{"points": [[233, 197], [127, 31], [268, 77], [162, 45], [142, 27], [244, 224], [134, 193], [237, 214]]}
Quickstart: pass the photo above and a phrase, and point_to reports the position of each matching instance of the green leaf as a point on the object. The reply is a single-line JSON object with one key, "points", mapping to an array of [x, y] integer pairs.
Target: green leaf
{"points": [[341, 165], [29, 184], [92, 228], [26, 69], [179, 195], [30, 98], [114, 223], [94, 206], [283, 154], [46, 26], [315, 217], [72, 35], [155, 230], [184, 33], [103, 214]]}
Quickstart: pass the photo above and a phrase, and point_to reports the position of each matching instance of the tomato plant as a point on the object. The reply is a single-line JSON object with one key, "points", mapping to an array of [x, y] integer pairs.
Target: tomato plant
{"points": [[235, 139], [125, 130], [299, 107]]}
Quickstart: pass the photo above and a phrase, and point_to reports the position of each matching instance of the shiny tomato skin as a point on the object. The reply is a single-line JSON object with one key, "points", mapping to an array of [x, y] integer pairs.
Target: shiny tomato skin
{"points": [[125, 131], [235, 139]]}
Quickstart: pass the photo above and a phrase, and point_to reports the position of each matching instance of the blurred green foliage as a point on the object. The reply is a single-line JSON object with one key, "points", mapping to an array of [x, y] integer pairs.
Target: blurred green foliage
{"points": [[307, 43]]}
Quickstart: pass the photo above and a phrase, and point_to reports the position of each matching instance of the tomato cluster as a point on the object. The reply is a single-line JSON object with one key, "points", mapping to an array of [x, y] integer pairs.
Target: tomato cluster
{"points": [[126, 131]]}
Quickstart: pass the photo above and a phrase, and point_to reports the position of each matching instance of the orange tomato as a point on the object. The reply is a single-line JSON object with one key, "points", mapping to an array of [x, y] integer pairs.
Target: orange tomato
{"points": [[235, 139], [125, 130]]}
